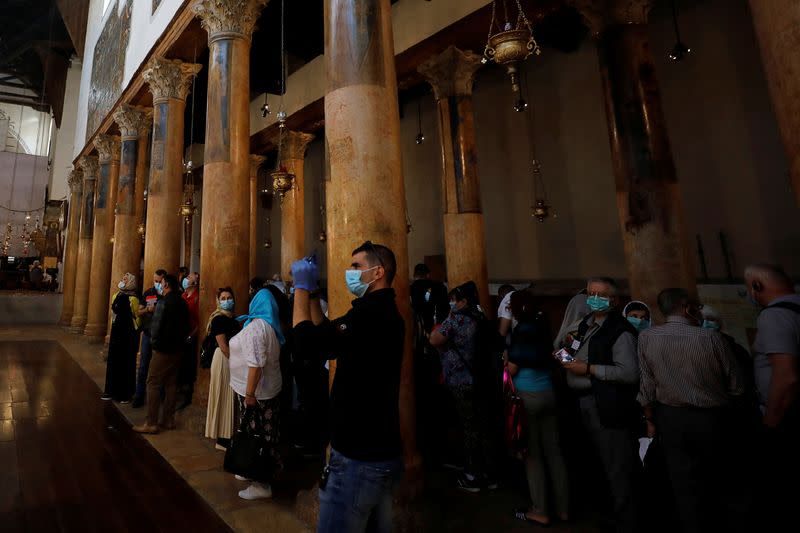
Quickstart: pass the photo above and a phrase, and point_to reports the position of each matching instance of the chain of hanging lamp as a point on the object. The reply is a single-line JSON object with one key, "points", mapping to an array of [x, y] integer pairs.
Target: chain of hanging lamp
{"points": [[282, 179]]}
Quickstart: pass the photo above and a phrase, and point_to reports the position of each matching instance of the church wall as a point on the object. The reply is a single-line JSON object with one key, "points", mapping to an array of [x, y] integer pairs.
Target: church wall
{"points": [[64, 137]]}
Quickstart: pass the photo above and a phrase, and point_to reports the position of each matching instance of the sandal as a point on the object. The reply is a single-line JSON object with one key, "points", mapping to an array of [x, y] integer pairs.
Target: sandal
{"points": [[521, 513]]}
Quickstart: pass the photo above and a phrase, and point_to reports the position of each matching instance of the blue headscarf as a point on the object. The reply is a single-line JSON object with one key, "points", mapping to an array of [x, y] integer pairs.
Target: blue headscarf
{"points": [[264, 306]]}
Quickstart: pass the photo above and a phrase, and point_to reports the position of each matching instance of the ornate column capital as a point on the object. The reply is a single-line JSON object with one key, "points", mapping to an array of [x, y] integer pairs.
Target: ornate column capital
{"points": [[107, 147], [600, 14], [255, 163], [90, 166], [132, 120], [228, 18], [75, 181], [169, 78], [295, 144], [452, 72]]}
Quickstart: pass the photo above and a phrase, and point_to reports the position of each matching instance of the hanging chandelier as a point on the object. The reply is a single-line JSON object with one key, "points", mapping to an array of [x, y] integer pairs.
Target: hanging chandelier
{"points": [[282, 179], [510, 43], [187, 208], [268, 241], [680, 50]]}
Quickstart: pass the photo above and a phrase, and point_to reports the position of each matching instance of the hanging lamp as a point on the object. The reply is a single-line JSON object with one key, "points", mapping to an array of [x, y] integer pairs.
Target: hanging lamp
{"points": [[187, 209], [282, 179], [680, 50]]}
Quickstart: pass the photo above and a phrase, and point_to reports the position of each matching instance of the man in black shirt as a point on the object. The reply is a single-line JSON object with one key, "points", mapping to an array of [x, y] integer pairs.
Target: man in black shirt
{"points": [[147, 307], [367, 342]]}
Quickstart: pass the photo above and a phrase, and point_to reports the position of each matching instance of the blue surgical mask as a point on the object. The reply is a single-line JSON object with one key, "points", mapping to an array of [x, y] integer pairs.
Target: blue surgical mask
{"points": [[711, 324], [354, 284], [185, 283], [157, 287], [639, 323], [453, 306], [226, 305], [598, 304], [428, 295]]}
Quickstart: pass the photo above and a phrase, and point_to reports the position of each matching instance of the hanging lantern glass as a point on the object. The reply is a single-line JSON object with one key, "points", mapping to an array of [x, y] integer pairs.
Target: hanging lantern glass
{"points": [[540, 210], [140, 229]]}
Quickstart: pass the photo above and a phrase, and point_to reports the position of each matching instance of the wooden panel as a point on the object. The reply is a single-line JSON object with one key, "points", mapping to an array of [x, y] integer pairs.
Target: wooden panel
{"points": [[75, 14]]}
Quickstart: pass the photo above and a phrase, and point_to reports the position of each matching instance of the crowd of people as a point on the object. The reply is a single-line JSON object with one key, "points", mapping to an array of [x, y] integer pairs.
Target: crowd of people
{"points": [[676, 404]]}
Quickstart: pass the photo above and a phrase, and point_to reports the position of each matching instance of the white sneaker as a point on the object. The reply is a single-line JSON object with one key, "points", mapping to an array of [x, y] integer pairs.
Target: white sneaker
{"points": [[241, 478], [256, 491]]}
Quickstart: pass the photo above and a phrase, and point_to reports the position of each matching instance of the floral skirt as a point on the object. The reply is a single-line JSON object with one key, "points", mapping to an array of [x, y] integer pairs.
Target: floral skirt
{"points": [[269, 411]]}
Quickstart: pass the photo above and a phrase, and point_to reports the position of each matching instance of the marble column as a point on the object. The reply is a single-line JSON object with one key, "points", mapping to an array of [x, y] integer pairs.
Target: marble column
{"points": [[225, 221], [169, 81], [776, 23], [75, 182], [293, 212], [133, 125], [83, 265], [365, 194], [657, 250], [451, 75], [102, 248], [255, 163]]}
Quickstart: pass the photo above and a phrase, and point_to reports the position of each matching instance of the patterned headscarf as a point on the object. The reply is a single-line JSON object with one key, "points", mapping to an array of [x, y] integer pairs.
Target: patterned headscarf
{"points": [[264, 306], [130, 283]]}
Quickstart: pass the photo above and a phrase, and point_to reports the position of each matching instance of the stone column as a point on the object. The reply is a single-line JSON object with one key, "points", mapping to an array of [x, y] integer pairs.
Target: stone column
{"points": [[776, 23], [133, 124], [657, 251], [83, 265], [169, 81], [451, 74], [75, 182], [293, 234], [255, 164], [366, 194], [225, 221], [105, 199]]}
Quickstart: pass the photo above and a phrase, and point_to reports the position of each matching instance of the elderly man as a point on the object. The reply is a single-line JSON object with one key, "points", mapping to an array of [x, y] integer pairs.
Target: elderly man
{"points": [[689, 376], [605, 376]]}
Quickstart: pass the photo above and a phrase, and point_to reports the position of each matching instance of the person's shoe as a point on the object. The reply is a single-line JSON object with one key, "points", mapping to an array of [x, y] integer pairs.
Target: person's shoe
{"points": [[241, 478], [220, 447], [137, 403], [469, 485], [106, 397], [124, 402], [256, 491], [145, 428]]}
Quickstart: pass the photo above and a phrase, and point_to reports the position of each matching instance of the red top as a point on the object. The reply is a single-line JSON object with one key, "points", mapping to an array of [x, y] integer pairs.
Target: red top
{"points": [[193, 301]]}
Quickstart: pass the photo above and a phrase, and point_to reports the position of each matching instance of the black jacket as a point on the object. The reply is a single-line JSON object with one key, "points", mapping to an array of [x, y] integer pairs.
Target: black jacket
{"points": [[367, 343], [170, 325]]}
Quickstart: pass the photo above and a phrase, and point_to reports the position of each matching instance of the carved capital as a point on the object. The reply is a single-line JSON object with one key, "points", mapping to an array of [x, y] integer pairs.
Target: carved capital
{"points": [[600, 14], [107, 147], [132, 120], [294, 144], [255, 163], [452, 72], [90, 167], [232, 18], [75, 181], [170, 78]]}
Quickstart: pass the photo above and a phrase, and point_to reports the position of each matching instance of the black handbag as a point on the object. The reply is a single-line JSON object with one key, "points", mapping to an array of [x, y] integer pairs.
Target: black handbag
{"points": [[207, 351], [248, 454]]}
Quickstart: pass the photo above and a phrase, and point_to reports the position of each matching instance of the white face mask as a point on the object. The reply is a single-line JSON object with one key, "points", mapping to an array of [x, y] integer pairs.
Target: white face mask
{"points": [[121, 285]]}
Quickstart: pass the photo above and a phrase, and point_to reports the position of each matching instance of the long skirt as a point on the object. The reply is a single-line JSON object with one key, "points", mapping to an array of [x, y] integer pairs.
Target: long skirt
{"points": [[219, 416], [269, 412], [121, 366]]}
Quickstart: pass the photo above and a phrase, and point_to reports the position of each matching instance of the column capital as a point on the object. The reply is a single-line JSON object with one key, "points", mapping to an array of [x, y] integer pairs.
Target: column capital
{"points": [[75, 181], [255, 163], [295, 144], [132, 120], [600, 14], [107, 147], [228, 18], [452, 72], [169, 78], [90, 166]]}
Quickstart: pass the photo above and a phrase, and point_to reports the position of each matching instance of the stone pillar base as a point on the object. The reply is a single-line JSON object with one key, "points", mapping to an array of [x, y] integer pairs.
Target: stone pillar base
{"points": [[95, 332], [77, 324]]}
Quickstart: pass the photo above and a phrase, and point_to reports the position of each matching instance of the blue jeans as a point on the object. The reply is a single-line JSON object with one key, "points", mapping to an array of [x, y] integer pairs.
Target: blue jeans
{"points": [[145, 353], [356, 490]]}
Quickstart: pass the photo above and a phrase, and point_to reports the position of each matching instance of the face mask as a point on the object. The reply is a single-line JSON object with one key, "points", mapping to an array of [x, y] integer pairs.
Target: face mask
{"points": [[185, 283], [428, 295], [121, 285], [354, 284], [226, 305], [453, 306], [157, 287], [639, 323], [598, 303], [710, 324]]}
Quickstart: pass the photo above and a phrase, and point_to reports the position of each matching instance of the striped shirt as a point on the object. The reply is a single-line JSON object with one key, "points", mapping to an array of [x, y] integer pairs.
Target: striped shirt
{"points": [[683, 365]]}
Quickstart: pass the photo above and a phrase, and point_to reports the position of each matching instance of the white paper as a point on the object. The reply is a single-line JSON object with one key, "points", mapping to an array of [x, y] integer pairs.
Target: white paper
{"points": [[644, 444]]}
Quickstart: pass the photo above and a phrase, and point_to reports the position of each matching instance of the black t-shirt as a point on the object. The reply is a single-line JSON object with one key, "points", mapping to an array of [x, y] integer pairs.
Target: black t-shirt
{"points": [[430, 302], [367, 343], [224, 325]]}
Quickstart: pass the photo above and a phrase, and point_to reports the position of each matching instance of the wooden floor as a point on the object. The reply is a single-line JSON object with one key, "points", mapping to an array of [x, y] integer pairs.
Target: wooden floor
{"points": [[70, 462]]}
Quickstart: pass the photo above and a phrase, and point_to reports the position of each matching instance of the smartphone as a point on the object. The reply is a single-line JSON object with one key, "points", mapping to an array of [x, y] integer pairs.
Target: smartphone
{"points": [[564, 356]]}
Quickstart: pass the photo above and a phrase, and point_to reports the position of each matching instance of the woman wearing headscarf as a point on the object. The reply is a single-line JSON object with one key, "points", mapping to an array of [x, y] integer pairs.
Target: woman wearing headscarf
{"points": [[638, 314], [123, 342], [256, 377], [221, 326]]}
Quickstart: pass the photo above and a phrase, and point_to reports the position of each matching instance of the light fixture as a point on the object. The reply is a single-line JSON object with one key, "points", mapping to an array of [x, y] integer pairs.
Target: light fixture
{"points": [[540, 208], [140, 229], [323, 236], [265, 107], [680, 50], [268, 241], [282, 179], [509, 44], [420, 136]]}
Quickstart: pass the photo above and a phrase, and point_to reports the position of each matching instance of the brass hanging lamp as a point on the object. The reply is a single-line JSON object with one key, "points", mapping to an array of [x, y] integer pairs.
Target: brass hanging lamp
{"points": [[509, 44], [282, 179]]}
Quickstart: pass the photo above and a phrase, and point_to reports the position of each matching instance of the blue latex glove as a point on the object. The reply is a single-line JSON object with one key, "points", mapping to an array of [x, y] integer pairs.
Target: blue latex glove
{"points": [[305, 274]]}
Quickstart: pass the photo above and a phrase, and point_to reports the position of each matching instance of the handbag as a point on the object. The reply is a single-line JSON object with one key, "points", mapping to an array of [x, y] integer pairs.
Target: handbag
{"points": [[515, 419], [207, 351], [249, 453]]}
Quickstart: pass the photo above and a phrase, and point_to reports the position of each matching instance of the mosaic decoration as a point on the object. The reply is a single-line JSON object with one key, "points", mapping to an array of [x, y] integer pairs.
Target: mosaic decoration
{"points": [[108, 66]]}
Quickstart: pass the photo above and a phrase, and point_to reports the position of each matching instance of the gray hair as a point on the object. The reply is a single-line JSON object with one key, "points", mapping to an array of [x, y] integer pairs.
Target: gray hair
{"points": [[612, 285]]}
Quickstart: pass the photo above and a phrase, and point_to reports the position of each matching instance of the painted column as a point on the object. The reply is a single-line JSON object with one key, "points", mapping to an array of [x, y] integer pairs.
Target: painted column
{"points": [[225, 221], [776, 23], [133, 125], [451, 74], [293, 234], [83, 265], [102, 248], [657, 251], [255, 163], [75, 182], [169, 81], [365, 195]]}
